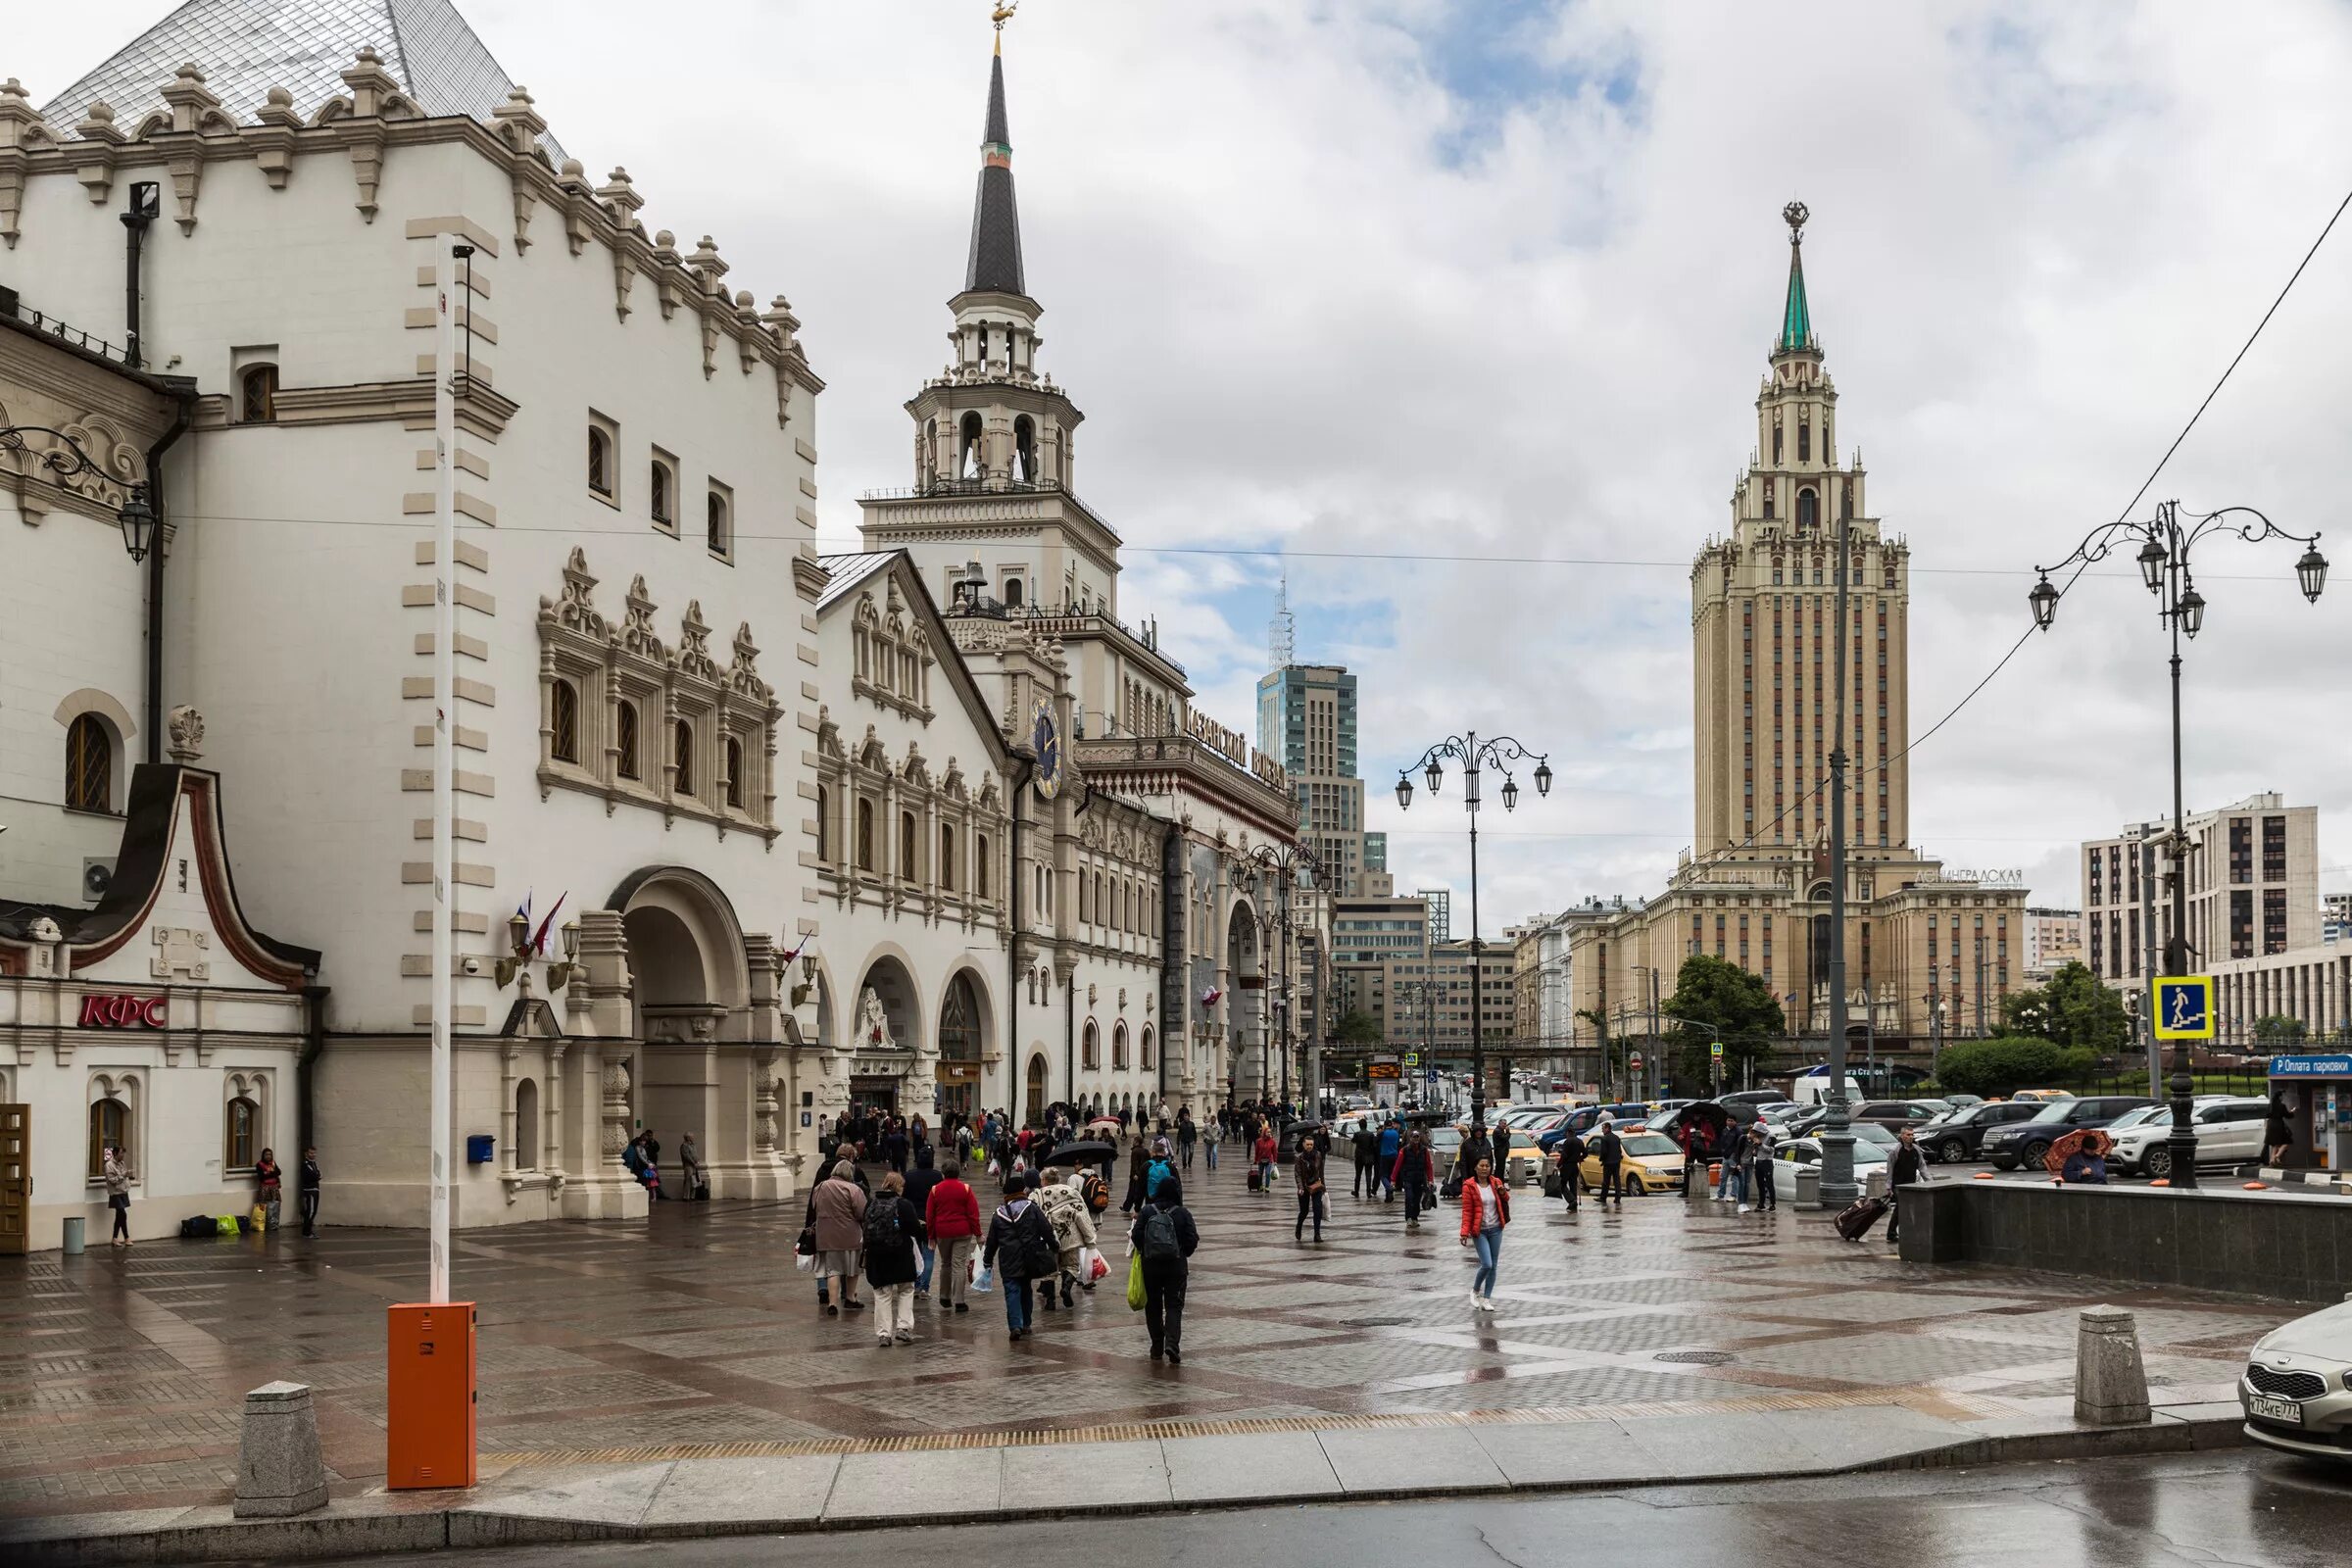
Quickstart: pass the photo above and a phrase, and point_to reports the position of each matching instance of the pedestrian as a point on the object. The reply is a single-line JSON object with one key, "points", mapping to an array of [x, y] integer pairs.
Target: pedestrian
{"points": [[837, 1209], [1211, 1132], [1486, 1210], [919, 1182], [1906, 1169], [1392, 1139], [693, 1173], [652, 1157], [2276, 1135], [1020, 1247], [1571, 1150], [1138, 1165], [893, 1147], [1263, 1152], [1766, 1196], [1415, 1171], [952, 1221], [1746, 1150], [1730, 1184], [1073, 1222], [1160, 1167], [1163, 1238], [1188, 1134], [1306, 1173], [1609, 1149], [117, 1192], [894, 1232], [1367, 1146], [1503, 1150], [2086, 1165], [308, 1191], [271, 1181], [1475, 1148], [1693, 1136]]}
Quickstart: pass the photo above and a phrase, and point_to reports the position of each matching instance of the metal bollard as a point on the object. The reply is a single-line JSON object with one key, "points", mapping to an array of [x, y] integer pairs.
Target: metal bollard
{"points": [[2110, 1383]]}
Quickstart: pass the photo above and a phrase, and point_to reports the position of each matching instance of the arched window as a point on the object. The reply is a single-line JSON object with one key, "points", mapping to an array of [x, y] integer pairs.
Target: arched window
{"points": [[1013, 592], [110, 1128], [967, 447], [661, 492], [1804, 442], [1776, 445], [735, 773], [947, 858], [720, 522], [237, 1134], [1118, 1047], [865, 835], [1146, 1063], [1085, 900], [1770, 490], [681, 748], [1101, 906], [257, 395], [980, 864], [625, 737], [600, 462], [564, 719], [1091, 1058], [824, 824], [526, 1125], [1024, 446], [908, 868], [1808, 510], [89, 765]]}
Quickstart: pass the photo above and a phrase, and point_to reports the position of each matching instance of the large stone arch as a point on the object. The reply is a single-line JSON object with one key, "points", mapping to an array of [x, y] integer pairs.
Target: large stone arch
{"points": [[691, 998], [894, 1070], [965, 1037]]}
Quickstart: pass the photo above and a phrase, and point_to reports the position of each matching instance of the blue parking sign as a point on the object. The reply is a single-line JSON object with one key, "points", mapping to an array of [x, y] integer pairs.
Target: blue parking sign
{"points": [[2184, 1006]]}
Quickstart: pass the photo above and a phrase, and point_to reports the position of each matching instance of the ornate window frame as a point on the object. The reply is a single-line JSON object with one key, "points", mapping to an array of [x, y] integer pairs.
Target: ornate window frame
{"points": [[250, 1089]]}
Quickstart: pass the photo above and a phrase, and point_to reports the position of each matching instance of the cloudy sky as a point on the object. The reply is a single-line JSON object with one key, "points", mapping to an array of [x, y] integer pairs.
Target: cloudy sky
{"points": [[1460, 307]]}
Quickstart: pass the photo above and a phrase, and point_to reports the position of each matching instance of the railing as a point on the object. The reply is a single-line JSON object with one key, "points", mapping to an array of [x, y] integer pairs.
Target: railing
{"points": [[1059, 622], [945, 486], [50, 327]]}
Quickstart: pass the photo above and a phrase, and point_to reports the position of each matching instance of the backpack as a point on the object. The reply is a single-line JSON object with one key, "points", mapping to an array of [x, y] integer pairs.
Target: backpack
{"points": [[1098, 1194], [1033, 1248], [882, 1231], [1159, 1171], [1155, 1240]]}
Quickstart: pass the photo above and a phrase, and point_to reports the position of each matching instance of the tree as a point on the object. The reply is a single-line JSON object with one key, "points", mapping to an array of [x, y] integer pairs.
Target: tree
{"points": [[2279, 1028], [2010, 1062], [2074, 1009], [1715, 999], [1359, 1029]]}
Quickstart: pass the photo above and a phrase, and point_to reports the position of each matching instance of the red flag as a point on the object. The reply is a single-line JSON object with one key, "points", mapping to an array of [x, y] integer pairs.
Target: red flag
{"points": [[539, 937]]}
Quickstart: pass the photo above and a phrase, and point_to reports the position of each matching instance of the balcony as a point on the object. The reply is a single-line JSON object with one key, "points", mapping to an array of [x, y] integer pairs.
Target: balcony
{"points": [[942, 487]]}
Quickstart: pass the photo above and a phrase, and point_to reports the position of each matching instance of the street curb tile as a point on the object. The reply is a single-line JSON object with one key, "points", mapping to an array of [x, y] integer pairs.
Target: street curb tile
{"points": [[1102, 1474], [917, 1488], [1395, 1463], [1275, 1466], [788, 1492], [1570, 1455]]}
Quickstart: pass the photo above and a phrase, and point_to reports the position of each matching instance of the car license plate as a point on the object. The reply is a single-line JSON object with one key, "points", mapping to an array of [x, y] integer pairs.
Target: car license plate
{"points": [[2286, 1410]]}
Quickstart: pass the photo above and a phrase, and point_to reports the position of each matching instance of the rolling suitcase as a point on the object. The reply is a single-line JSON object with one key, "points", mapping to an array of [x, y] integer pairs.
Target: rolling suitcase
{"points": [[1855, 1222], [1253, 1178]]}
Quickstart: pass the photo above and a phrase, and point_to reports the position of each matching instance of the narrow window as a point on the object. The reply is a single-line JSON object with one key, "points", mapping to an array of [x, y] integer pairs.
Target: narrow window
{"points": [[662, 490], [1769, 490], [907, 865], [1804, 443], [526, 1125], [722, 530], [564, 719], [946, 857], [682, 754], [110, 1128], [865, 835], [257, 395], [1024, 450], [625, 734], [735, 773], [824, 824], [980, 864], [89, 765], [1094, 1046], [1808, 510], [1013, 592], [600, 462], [237, 1135], [1776, 445]]}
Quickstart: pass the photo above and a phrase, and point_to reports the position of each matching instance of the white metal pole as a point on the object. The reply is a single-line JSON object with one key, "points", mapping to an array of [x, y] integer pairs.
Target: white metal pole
{"points": [[445, 657]]}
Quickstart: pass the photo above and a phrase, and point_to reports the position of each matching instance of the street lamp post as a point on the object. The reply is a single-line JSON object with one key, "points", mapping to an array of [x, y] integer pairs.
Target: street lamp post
{"points": [[2166, 542], [1285, 863], [1497, 751]]}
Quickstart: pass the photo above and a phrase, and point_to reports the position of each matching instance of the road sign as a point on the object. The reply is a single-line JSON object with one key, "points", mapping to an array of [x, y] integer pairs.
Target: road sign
{"points": [[1715, 1049], [1634, 1061], [1412, 1058], [1432, 1075], [1382, 1069], [2184, 1006]]}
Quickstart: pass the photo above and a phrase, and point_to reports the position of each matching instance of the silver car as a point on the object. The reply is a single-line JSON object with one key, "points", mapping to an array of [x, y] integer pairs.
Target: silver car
{"points": [[2298, 1386]]}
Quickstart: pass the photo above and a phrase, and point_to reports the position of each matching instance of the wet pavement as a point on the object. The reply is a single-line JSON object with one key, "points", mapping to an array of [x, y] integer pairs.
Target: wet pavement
{"points": [[692, 1335], [2244, 1507]]}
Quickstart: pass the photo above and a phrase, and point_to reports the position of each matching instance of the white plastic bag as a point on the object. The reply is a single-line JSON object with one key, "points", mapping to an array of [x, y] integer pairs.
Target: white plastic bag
{"points": [[803, 1261], [980, 1280]]}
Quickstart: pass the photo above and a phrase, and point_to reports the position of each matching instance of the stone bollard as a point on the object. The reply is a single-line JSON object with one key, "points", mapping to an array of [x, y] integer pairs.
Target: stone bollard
{"points": [[279, 1468], [2111, 1385]]}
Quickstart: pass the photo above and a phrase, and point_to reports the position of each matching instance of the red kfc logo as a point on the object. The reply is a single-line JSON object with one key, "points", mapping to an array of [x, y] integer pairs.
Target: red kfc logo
{"points": [[122, 1012]]}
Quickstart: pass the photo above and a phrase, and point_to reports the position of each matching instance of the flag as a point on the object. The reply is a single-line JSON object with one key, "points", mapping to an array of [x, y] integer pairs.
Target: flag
{"points": [[1212, 996], [539, 938]]}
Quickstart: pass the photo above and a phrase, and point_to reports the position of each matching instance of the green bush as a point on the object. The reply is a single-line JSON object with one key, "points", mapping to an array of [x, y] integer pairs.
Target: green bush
{"points": [[1992, 1068]]}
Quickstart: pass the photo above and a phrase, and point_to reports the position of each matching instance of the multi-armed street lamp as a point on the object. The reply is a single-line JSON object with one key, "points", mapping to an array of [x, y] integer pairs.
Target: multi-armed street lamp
{"points": [[1286, 864], [2165, 544], [1497, 751]]}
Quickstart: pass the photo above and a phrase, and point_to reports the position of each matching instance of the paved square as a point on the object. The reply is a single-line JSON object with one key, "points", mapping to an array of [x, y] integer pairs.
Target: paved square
{"points": [[692, 1333]]}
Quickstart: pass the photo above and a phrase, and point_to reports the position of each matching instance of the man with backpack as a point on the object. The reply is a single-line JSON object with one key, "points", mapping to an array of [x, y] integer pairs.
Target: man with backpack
{"points": [[1020, 1247], [1163, 1238], [1160, 1167], [894, 1230], [919, 1183]]}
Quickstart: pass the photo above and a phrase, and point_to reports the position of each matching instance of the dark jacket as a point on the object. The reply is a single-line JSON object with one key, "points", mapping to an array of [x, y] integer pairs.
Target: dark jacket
{"points": [[1015, 1229], [1907, 1167], [1608, 1145], [310, 1176], [1187, 1237], [896, 1264], [1413, 1164], [919, 1182], [1308, 1169]]}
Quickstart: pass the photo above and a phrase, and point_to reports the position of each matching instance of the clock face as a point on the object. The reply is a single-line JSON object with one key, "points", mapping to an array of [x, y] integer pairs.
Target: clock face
{"points": [[1046, 740]]}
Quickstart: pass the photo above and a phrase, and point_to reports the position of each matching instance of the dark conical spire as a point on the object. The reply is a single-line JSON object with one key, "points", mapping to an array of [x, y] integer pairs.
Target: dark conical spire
{"points": [[995, 264], [1796, 321]]}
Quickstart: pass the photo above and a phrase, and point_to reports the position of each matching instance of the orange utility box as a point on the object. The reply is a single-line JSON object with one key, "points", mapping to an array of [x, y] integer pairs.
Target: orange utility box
{"points": [[430, 1366]]}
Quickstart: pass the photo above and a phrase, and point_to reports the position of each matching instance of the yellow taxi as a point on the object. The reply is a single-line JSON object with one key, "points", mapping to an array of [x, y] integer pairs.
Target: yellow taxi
{"points": [[1653, 1163]]}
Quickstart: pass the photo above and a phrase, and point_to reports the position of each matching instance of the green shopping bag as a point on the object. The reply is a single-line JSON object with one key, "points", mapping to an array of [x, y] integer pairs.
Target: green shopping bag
{"points": [[1135, 1282]]}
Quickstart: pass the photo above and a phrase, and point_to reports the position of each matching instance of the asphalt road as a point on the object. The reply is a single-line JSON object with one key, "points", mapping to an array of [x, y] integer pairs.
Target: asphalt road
{"points": [[2239, 1507]]}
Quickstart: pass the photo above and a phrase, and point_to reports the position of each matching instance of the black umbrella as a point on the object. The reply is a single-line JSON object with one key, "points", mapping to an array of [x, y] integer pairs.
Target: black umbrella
{"points": [[1091, 1151]]}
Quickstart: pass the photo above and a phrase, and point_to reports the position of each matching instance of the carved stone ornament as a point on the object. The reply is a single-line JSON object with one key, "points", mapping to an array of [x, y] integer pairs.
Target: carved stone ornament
{"points": [[186, 727], [873, 1023], [694, 654], [637, 634]]}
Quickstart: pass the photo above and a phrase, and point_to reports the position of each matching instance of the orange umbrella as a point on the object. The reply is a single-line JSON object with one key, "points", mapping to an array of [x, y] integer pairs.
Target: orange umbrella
{"points": [[2083, 1140]]}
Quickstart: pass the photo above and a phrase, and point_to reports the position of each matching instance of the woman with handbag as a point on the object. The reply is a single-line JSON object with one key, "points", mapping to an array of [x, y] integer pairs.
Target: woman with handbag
{"points": [[1486, 1210], [118, 1194]]}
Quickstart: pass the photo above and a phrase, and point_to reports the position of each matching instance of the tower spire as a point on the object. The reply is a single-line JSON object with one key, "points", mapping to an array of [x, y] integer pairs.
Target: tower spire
{"points": [[994, 263], [1282, 637], [1796, 321]]}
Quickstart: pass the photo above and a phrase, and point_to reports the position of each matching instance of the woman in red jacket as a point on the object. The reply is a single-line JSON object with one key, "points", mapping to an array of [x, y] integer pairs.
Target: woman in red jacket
{"points": [[1486, 1210], [951, 1216]]}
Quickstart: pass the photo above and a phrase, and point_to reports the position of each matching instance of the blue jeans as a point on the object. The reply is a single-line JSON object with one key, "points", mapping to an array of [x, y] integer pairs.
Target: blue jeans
{"points": [[1212, 1155], [1488, 1242], [1019, 1303], [922, 1281], [1734, 1184]]}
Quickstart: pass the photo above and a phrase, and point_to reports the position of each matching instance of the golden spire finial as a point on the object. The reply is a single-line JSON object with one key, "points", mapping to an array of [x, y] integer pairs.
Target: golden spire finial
{"points": [[1001, 16]]}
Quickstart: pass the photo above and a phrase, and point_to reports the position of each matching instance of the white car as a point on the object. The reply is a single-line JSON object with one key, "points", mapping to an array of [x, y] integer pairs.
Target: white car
{"points": [[2229, 1133], [2298, 1386]]}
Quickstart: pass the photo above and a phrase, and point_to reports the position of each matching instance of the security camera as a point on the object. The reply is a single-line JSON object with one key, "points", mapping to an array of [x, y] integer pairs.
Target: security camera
{"points": [[471, 965]]}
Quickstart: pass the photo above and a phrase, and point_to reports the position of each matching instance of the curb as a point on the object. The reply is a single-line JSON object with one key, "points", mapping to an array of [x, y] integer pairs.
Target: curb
{"points": [[331, 1536]]}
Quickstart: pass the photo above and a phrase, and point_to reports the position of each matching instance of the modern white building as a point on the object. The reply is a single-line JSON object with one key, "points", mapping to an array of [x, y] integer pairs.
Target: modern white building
{"points": [[2251, 886]]}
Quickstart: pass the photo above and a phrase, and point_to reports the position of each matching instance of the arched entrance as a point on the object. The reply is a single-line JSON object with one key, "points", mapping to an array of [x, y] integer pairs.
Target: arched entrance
{"points": [[689, 1001], [885, 1021], [1033, 1103], [962, 1043], [1246, 1065]]}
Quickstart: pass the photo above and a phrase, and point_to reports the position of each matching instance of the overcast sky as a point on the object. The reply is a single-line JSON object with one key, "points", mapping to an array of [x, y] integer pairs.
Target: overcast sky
{"points": [[1497, 278]]}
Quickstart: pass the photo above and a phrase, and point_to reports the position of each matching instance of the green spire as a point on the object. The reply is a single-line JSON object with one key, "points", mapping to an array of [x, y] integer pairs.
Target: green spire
{"points": [[1796, 321]]}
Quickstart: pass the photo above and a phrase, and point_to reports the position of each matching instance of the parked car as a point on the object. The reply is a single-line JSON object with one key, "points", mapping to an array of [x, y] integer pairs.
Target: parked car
{"points": [[1869, 1156], [1896, 1115], [2229, 1132], [1961, 1135], [1754, 1099], [1626, 1116], [2024, 1143], [2043, 1096], [1652, 1164], [2297, 1388], [1962, 1102]]}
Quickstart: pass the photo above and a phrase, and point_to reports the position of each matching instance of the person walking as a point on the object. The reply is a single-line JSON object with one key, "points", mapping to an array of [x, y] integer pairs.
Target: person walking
{"points": [[1609, 1149], [1073, 1221], [1262, 1153], [1188, 1134], [1571, 1150], [1693, 1136], [308, 1193], [1020, 1247], [1415, 1172], [1307, 1172], [1159, 1167], [1907, 1167], [1761, 1173], [2277, 1134], [1745, 1150], [692, 1172], [117, 1169], [1486, 1210], [1211, 1134], [272, 1180], [894, 1232], [1391, 1140], [952, 1221], [1164, 1238], [1139, 1161], [1366, 1146], [837, 1209], [919, 1183]]}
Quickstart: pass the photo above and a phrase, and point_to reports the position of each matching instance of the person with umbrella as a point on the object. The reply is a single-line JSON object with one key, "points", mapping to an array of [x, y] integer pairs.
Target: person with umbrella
{"points": [[2080, 1156]]}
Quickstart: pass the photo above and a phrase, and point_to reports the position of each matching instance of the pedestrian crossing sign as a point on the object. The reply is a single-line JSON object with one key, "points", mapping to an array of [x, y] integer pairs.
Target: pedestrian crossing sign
{"points": [[2184, 1006]]}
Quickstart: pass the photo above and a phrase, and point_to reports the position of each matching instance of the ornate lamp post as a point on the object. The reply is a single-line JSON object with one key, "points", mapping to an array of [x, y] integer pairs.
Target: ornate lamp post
{"points": [[2164, 566], [1286, 865], [68, 458], [1497, 751]]}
